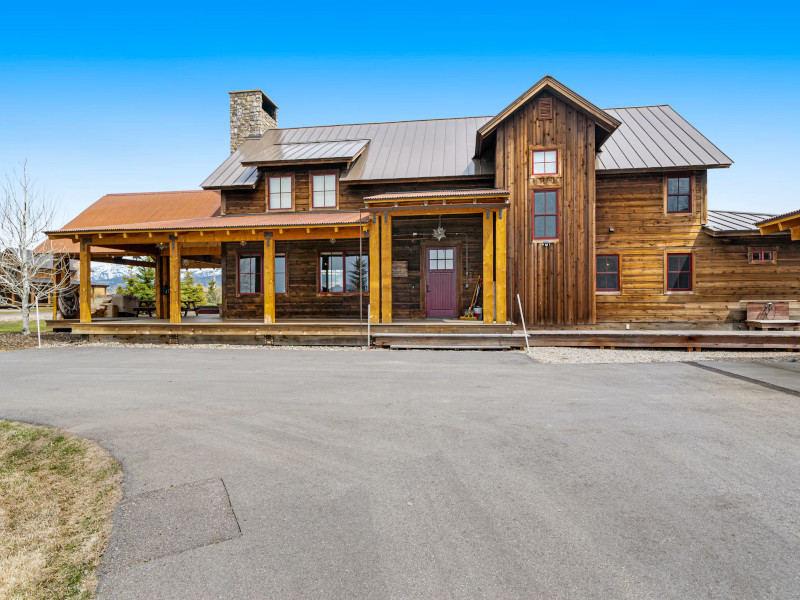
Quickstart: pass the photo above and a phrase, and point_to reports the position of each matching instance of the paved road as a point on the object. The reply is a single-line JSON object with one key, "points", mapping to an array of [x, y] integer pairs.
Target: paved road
{"points": [[312, 474]]}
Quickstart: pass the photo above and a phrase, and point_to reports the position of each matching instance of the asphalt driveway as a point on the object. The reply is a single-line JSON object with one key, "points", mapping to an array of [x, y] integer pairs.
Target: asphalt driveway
{"points": [[316, 474]]}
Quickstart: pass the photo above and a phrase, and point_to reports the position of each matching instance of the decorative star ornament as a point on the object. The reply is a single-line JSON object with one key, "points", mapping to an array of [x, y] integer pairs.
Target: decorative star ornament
{"points": [[438, 233]]}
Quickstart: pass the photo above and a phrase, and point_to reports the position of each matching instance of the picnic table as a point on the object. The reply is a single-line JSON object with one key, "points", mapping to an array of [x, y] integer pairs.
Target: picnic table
{"points": [[149, 307]]}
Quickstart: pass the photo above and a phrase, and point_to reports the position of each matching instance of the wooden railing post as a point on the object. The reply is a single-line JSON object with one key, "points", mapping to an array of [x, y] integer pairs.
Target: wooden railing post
{"points": [[386, 268], [85, 291], [488, 266], [501, 299], [269, 278], [174, 280], [374, 269], [159, 284]]}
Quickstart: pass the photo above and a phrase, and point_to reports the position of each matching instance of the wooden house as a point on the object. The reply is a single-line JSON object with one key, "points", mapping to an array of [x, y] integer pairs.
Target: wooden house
{"points": [[590, 216]]}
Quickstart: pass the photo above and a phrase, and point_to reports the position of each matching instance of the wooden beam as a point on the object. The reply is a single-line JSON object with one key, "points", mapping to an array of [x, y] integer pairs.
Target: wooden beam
{"points": [[790, 223], [269, 278], [447, 209], [157, 284], [796, 233], [174, 280], [375, 270], [488, 267], [501, 298], [86, 281], [60, 273], [386, 268]]}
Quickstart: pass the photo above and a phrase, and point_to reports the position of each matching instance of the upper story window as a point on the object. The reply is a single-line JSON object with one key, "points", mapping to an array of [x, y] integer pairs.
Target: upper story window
{"points": [[607, 272], [762, 256], [679, 272], [545, 214], [280, 193], [679, 194], [323, 190], [545, 162]]}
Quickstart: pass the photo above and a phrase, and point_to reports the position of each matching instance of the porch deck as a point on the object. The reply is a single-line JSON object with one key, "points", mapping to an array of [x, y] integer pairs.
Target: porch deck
{"points": [[430, 333]]}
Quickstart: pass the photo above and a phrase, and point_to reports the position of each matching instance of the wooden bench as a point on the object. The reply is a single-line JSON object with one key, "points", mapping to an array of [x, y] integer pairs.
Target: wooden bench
{"points": [[769, 315]]}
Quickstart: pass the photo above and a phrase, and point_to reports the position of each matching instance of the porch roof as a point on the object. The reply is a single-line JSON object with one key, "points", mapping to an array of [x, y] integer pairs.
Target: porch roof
{"points": [[261, 221], [461, 194]]}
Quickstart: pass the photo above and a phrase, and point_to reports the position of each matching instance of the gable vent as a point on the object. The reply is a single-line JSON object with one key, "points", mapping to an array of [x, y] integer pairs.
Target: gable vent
{"points": [[545, 109]]}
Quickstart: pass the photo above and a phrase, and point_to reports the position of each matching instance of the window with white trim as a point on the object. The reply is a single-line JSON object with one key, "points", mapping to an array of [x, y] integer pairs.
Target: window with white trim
{"points": [[545, 162]]}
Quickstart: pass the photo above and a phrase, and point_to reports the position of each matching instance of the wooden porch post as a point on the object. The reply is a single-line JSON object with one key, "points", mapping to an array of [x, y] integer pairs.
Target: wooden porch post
{"points": [[269, 278], [174, 280], [488, 266], [58, 277], [374, 269], [500, 266], [386, 268], [159, 284], [85, 291]]}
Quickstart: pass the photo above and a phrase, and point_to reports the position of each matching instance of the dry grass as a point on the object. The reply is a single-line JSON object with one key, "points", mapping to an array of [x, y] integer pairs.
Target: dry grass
{"points": [[57, 493]]}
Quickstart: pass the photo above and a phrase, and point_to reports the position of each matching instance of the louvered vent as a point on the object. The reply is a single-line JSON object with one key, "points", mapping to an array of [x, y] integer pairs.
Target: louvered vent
{"points": [[545, 109]]}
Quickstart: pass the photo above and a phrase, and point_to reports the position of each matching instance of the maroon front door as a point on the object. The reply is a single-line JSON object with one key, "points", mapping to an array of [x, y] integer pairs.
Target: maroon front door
{"points": [[440, 274]]}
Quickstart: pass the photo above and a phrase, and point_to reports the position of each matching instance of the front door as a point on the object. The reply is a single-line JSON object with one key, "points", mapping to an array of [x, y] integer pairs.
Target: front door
{"points": [[440, 274]]}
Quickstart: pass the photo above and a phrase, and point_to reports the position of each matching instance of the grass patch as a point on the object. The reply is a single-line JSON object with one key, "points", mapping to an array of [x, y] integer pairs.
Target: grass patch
{"points": [[16, 326], [57, 492]]}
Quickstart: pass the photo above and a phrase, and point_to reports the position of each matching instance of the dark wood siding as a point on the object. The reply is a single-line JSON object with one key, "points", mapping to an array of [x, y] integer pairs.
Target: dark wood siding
{"points": [[556, 280]]}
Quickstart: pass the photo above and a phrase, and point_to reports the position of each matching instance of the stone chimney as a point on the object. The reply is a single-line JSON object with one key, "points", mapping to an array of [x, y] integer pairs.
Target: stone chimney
{"points": [[252, 113]]}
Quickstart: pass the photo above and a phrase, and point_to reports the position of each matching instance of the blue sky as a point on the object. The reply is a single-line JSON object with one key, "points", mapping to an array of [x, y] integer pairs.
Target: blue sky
{"points": [[100, 97]]}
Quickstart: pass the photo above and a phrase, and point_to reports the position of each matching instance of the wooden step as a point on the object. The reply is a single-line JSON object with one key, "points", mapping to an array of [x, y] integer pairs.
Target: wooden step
{"points": [[449, 341]]}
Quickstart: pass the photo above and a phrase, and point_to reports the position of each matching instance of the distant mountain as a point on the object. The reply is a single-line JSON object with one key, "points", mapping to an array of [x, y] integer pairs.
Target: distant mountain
{"points": [[112, 275]]}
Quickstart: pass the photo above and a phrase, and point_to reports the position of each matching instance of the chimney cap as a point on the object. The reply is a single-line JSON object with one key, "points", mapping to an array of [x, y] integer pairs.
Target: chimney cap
{"points": [[266, 101]]}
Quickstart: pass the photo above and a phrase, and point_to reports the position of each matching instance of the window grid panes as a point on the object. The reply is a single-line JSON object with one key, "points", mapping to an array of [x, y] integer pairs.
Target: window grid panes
{"points": [[280, 193], [441, 259], [608, 273], [679, 194], [250, 273], [341, 272], [324, 191], [679, 272], [545, 214], [545, 162]]}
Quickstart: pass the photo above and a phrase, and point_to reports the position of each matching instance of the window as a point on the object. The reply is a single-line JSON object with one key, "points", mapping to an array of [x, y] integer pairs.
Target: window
{"points": [[280, 193], [250, 273], [324, 191], [280, 273], [545, 162], [441, 259], [545, 214], [607, 272], [762, 256], [679, 194], [341, 272], [679, 272]]}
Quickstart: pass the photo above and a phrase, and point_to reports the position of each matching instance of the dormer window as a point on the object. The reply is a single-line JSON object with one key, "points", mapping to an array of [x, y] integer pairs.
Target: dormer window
{"points": [[545, 162], [280, 193], [324, 190], [679, 194]]}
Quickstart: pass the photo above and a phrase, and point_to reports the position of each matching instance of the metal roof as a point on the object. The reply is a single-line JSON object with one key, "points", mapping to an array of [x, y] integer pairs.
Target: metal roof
{"points": [[656, 137], [727, 221], [114, 209], [305, 152], [304, 219], [789, 215], [483, 193], [396, 150]]}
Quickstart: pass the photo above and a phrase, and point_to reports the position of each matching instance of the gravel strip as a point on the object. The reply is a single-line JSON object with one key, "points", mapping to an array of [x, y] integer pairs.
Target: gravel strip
{"points": [[561, 355]]}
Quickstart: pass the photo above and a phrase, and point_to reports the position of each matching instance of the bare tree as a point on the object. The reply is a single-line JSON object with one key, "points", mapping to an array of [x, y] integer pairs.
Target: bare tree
{"points": [[27, 260]]}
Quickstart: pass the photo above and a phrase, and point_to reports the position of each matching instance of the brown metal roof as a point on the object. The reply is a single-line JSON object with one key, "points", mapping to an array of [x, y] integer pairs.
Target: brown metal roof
{"points": [[308, 152], [116, 209], [721, 221], [656, 137], [397, 150], [304, 219], [475, 193], [789, 215]]}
